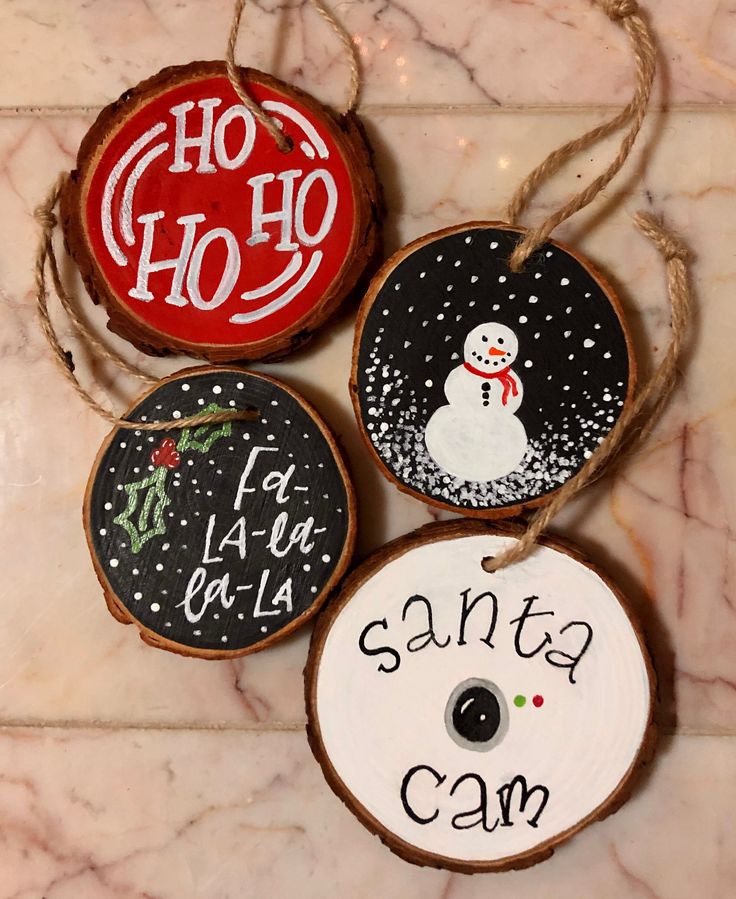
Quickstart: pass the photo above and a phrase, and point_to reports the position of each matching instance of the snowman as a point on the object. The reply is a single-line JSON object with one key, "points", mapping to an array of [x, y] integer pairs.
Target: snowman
{"points": [[477, 437]]}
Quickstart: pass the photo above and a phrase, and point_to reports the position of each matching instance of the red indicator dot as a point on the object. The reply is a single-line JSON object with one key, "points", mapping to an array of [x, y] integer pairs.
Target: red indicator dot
{"points": [[538, 700]]}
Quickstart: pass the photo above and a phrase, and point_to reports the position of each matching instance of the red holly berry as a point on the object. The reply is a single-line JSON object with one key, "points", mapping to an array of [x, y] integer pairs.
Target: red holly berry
{"points": [[166, 454]]}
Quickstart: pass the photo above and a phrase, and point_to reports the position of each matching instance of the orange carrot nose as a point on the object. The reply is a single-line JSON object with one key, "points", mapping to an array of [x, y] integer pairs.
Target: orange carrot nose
{"points": [[494, 351]]}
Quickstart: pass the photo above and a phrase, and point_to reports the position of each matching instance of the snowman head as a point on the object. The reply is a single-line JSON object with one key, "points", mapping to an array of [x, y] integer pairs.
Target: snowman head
{"points": [[491, 347]]}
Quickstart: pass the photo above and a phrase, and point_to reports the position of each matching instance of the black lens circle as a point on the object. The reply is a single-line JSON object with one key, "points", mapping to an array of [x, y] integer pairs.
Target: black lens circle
{"points": [[476, 715]]}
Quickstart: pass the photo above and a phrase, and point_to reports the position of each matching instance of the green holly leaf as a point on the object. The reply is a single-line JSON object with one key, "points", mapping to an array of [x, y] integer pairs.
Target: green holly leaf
{"points": [[202, 438], [143, 517]]}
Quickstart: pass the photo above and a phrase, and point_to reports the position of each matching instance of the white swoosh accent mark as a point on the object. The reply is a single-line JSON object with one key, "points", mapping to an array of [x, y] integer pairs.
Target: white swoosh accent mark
{"points": [[244, 318], [110, 185], [291, 269], [304, 124], [126, 208]]}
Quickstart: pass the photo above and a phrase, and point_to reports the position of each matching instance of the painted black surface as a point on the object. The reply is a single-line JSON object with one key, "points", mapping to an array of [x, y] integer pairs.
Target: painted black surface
{"points": [[151, 574], [413, 337]]}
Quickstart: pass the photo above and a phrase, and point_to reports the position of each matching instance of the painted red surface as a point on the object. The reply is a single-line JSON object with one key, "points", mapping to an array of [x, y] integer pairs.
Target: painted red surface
{"points": [[226, 200]]}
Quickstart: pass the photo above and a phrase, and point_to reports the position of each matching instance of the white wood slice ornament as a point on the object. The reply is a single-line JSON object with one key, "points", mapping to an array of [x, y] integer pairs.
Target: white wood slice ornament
{"points": [[474, 721], [220, 540], [199, 235], [481, 390]]}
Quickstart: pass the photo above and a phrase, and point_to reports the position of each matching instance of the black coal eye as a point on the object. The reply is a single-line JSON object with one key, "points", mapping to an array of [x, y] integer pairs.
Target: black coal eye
{"points": [[476, 716], [500, 340], [484, 339]]}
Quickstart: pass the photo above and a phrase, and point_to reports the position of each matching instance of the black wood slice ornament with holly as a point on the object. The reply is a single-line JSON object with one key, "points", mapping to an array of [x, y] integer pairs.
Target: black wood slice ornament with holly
{"points": [[483, 390], [200, 235], [218, 540], [475, 721]]}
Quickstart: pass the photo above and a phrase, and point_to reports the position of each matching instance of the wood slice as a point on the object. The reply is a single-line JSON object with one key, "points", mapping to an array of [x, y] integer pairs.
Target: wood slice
{"points": [[199, 235], [481, 390], [474, 721], [220, 540]]}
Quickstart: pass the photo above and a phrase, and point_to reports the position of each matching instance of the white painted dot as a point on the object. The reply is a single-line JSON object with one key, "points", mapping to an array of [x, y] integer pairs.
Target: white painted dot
{"points": [[533, 299], [538, 275], [473, 279], [176, 414], [159, 567], [114, 563], [564, 282], [588, 343], [528, 363], [523, 319], [428, 383], [155, 607], [217, 389], [422, 274], [185, 387], [501, 279], [123, 445], [606, 355], [224, 639], [325, 558], [108, 506], [184, 521], [494, 245], [137, 596], [440, 258], [567, 333], [103, 531]]}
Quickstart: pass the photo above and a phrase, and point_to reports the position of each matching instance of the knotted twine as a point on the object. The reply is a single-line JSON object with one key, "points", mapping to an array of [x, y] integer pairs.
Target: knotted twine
{"points": [[639, 417], [271, 125]]}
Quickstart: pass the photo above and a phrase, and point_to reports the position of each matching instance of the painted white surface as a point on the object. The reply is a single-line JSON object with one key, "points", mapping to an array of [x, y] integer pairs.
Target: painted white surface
{"points": [[377, 725]]}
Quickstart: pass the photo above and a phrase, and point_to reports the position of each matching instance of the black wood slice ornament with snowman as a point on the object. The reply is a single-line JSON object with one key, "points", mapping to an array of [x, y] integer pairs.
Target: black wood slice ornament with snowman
{"points": [[480, 389]]}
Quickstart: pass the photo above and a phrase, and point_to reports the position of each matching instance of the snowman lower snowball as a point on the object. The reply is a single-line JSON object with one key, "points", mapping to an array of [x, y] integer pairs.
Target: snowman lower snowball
{"points": [[477, 436]]}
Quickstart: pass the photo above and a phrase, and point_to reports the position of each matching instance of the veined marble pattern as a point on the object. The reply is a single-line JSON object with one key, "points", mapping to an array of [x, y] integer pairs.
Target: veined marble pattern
{"points": [[129, 772]]}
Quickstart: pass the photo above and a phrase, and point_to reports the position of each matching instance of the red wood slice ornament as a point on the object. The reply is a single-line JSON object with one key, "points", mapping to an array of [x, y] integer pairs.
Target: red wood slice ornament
{"points": [[200, 235]]}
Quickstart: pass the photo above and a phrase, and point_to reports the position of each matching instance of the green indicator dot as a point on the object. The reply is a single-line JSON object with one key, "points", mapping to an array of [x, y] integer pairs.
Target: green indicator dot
{"points": [[519, 701]]}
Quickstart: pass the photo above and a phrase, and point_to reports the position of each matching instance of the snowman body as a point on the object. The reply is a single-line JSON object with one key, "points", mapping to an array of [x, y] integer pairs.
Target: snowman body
{"points": [[477, 436]]}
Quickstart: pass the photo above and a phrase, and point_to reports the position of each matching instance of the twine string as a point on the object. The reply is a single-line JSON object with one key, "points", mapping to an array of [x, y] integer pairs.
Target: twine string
{"points": [[637, 420], [626, 14], [271, 125], [46, 256]]}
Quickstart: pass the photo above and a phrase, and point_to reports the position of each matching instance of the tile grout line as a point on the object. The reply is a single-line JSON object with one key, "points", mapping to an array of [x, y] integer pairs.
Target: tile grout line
{"points": [[255, 728], [62, 111]]}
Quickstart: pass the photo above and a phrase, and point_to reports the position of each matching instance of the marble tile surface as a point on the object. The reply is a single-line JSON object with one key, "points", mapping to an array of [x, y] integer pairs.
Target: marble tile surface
{"points": [[248, 815], [130, 772], [497, 52]]}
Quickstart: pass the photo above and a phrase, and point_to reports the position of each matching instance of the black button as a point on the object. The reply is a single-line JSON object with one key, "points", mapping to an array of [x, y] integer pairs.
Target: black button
{"points": [[486, 386]]}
